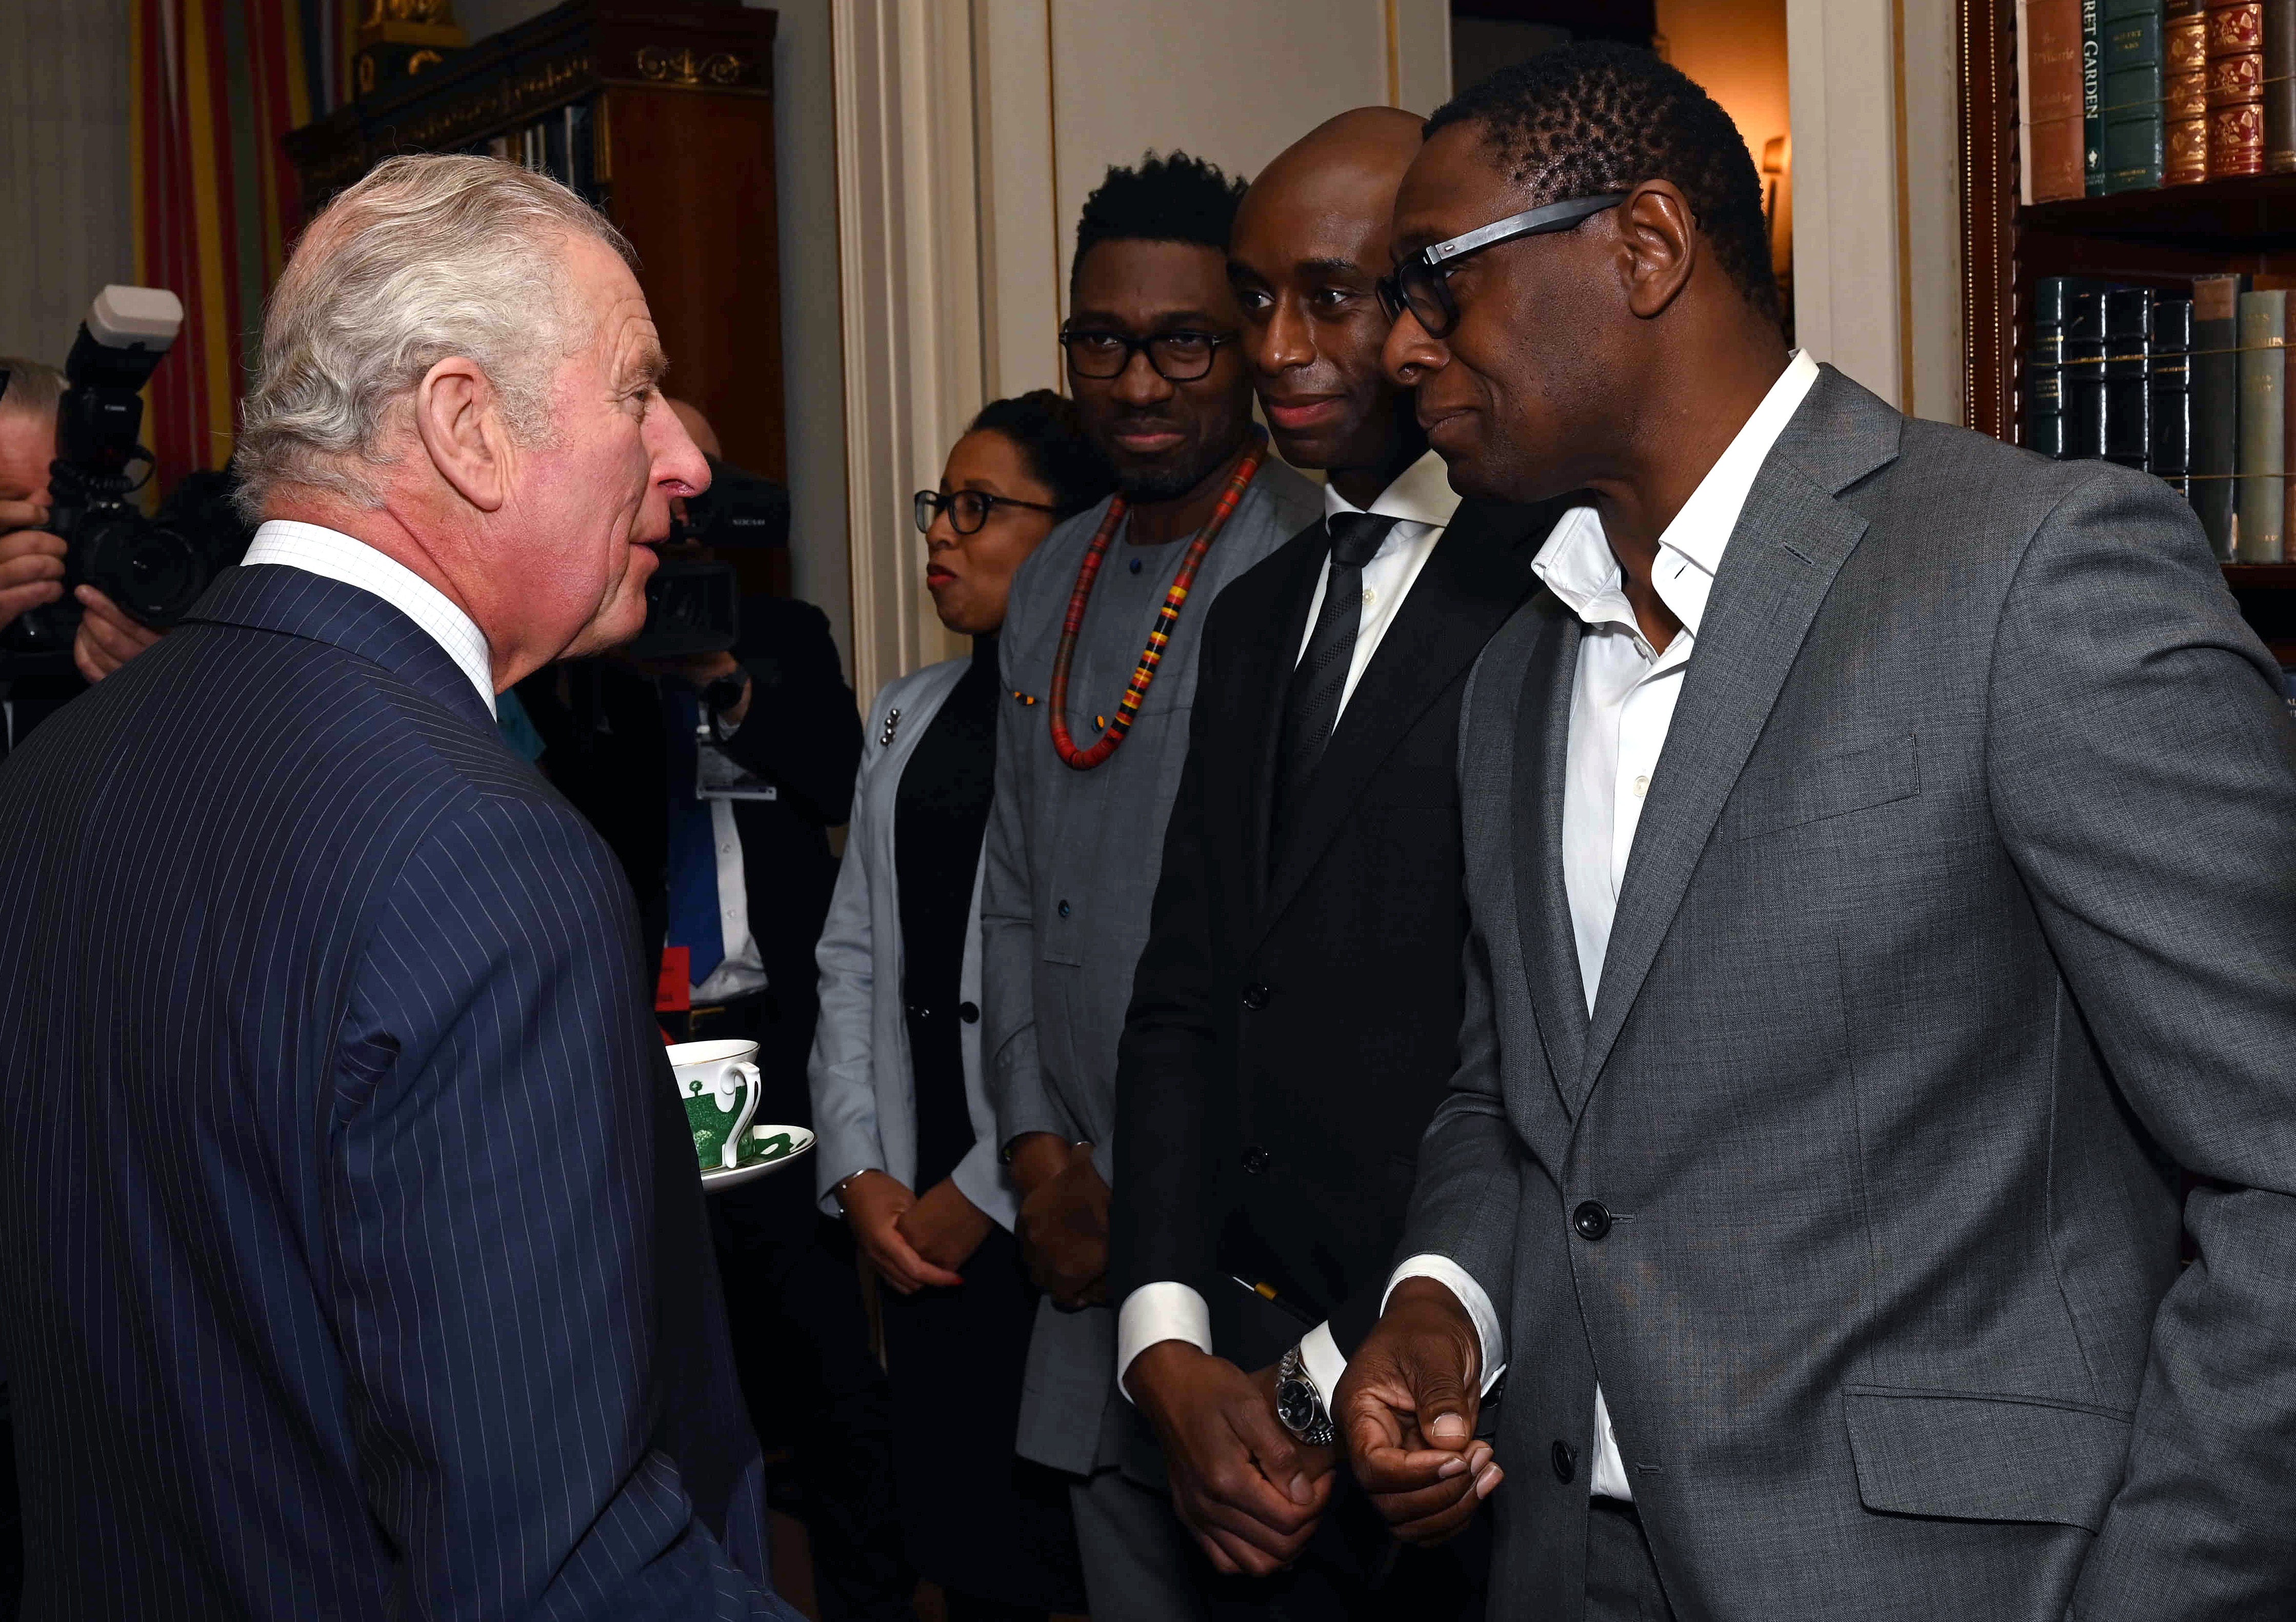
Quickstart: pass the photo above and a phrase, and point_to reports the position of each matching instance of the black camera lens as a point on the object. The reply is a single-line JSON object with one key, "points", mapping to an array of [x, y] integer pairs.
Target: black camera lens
{"points": [[152, 571]]}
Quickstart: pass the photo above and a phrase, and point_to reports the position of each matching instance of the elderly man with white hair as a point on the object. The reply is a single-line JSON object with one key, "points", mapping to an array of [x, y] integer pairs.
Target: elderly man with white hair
{"points": [[352, 1259]]}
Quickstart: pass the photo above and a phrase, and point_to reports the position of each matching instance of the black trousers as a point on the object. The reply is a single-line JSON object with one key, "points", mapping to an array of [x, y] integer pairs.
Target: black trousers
{"points": [[801, 1343]]}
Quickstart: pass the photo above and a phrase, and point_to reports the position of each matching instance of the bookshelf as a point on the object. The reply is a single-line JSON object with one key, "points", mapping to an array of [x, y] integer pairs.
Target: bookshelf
{"points": [[2161, 237], [661, 113]]}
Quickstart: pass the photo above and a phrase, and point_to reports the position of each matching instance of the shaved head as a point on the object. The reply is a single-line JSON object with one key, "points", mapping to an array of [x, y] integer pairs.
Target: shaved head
{"points": [[1311, 241]]}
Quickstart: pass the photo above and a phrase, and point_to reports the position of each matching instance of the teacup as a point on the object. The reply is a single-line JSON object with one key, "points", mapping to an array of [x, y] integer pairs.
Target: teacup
{"points": [[719, 1083]]}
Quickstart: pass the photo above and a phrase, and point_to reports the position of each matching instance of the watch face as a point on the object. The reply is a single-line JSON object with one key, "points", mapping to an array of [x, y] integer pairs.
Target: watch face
{"points": [[1295, 1404]]}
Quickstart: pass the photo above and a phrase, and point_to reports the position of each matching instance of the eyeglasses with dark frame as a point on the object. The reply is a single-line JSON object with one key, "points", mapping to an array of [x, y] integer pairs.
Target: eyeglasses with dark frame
{"points": [[967, 510], [1421, 281], [1177, 357]]}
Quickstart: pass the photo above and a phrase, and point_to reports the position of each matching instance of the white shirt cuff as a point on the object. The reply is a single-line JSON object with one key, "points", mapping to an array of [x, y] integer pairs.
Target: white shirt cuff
{"points": [[1320, 1354], [1453, 1277], [1169, 1310]]}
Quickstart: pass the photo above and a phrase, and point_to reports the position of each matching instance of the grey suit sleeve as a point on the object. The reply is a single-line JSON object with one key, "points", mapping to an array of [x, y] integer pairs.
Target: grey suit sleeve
{"points": [[1465, 1203], [1015, 1079], [2142, 771], [842, 1073]]}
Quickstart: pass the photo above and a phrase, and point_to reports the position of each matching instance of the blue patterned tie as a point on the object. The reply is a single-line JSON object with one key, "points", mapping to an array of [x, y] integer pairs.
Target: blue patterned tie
{"points": [[693, 918]]}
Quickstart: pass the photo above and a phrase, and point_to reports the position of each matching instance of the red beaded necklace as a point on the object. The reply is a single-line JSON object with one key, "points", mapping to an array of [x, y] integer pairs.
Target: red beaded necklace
{"points": [[1144, 672]]}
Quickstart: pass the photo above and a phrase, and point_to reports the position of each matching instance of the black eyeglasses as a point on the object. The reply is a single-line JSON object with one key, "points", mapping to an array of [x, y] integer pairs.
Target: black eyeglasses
{"points": [[1177, 357], [967, 510], [1421, 281]]}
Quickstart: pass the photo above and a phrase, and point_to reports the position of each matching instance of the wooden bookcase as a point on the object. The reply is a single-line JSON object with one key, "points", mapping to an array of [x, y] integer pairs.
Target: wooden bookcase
{"points": [[661, 112], [2161, 238]]}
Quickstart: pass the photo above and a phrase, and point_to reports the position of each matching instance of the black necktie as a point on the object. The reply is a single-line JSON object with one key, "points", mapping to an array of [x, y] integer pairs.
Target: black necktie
{"points": [[1311, 706]]}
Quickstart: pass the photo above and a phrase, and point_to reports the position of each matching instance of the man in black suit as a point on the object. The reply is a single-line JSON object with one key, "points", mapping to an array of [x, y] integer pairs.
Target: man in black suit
{"points": [[1296, 1013]]}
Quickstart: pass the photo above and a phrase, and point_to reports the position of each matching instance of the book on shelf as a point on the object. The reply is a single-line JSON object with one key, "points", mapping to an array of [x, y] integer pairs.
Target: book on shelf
{"points": [[2235, 87], [2185, 94], [2044, 368], [2092, 97], [2133, 108], [2128, 383], [2260, 508], [2084, 373], [2216, 403], [2170, 391], [2279, 85], [2049, 60]]}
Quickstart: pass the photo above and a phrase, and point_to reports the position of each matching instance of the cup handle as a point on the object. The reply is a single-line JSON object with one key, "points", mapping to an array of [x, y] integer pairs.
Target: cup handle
{"points": [[733, 1155]]}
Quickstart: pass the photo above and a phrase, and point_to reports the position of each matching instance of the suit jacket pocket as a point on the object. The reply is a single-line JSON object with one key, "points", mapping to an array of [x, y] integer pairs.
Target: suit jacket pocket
{"points": [[1830, 784], [1970, 1456]]}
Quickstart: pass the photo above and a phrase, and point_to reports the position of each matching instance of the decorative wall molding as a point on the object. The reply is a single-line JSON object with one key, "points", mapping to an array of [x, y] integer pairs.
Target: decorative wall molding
{"points": [[909, 268]]}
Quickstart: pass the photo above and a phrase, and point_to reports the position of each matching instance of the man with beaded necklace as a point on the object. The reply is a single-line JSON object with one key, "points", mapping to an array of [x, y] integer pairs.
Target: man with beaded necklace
{"points": [[1099, 662]]}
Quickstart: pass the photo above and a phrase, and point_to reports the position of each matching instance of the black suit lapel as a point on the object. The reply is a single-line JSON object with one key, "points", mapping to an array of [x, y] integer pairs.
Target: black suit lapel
{"points": [[1477, 575]]}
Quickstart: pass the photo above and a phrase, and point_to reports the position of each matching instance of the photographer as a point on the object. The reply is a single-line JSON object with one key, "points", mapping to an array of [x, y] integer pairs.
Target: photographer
{"points": [[31, 560]]}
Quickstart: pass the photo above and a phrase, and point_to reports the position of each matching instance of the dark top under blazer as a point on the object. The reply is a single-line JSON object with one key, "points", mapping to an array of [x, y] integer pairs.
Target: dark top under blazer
{"points": [[352, 1261], [1295, 1018]]}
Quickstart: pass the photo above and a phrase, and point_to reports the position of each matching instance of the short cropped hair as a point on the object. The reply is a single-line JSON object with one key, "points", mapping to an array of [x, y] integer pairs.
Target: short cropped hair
{"points": [[427, 256], [35, 389], [1596, 115], [1178, 198], [1046, 430]]}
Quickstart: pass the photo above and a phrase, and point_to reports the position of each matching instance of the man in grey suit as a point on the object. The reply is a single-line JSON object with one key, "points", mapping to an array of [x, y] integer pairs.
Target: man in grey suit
{"points": [[1882, 846], [1083, 791]]}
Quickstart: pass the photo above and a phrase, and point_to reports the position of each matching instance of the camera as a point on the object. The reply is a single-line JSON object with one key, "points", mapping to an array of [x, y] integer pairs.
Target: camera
{"points": [[153, 568], [694, 603]]}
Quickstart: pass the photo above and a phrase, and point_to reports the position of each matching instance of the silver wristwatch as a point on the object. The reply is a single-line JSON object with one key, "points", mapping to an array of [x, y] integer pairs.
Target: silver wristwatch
{"points": [[1300, 1405]]}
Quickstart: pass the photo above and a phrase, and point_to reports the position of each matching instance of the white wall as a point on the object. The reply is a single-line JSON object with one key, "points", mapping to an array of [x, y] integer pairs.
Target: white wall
{"points": [[1877, 223]]}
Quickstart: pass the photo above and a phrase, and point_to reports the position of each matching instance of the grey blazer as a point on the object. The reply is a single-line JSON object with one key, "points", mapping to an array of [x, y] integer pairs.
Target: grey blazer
{"points": [[1962, 911], [864, 1101], [1070, 867]]}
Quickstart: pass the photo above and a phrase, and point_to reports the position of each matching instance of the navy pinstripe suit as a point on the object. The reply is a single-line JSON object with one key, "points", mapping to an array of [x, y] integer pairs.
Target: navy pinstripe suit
{"points": [[352, 1261]]}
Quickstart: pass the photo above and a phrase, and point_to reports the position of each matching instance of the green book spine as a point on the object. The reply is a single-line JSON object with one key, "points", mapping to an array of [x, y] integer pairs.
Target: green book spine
{"points": [[2216, 403], [2136, 129], [2259, 518]]}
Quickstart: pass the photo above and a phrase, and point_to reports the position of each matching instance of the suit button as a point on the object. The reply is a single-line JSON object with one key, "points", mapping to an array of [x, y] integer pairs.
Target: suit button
{"points": [[1064, 909], [1564, 1457], [1591, 1220], [969, 1013], [1255, 1159], [1255, 997]]}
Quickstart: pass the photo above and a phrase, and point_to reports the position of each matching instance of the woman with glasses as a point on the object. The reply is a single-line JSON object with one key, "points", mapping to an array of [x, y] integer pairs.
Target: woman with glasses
{"points": [[907, 1138]]}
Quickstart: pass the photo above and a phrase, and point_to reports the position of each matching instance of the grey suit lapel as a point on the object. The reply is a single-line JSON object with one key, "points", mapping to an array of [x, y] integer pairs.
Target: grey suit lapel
{"points": [[1542, 907], [1790, 541]]}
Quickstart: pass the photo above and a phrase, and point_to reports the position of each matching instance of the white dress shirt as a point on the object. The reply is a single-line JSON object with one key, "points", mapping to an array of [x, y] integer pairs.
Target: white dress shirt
{"points": [[1423, 501], [333, 555], [1622, 705]]}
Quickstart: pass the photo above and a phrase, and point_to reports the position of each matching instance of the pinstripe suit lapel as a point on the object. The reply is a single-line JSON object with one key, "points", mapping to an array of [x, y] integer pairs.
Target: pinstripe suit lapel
{"points": [[292, 603]]}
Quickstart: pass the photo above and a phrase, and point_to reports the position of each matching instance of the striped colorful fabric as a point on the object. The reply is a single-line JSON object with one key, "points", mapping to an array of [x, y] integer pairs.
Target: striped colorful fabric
{"points": [[214, 86], [1158, 637]]}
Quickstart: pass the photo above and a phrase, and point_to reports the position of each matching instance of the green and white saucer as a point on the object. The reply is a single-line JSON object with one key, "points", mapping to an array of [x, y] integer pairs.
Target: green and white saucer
{"points": [[767, 1148]]}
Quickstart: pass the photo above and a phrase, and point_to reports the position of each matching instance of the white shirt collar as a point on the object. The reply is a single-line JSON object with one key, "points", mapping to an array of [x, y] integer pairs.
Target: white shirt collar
{"points": [[1577, 563], [333, 555], [1422, 493]]}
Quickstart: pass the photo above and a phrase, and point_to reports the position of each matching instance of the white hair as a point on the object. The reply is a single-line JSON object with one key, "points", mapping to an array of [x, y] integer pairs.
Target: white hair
{"points": [[424, 259], [34, 389]]}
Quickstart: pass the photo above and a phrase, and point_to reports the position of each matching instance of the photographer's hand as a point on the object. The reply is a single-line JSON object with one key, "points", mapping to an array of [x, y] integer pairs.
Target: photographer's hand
{"points": [[108, 638], [31, 560]]}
